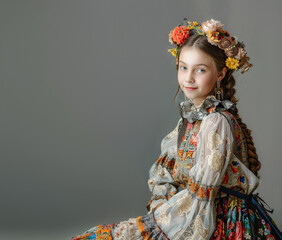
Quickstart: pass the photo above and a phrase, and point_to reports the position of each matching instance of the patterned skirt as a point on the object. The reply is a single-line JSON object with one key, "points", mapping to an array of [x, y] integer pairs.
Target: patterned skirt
{"points": [[238, 219], [235, 219]]}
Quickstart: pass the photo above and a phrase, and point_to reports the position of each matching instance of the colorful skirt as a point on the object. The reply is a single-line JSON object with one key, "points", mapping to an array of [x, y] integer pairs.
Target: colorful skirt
{"points": [[236, 219], [240, 218]]}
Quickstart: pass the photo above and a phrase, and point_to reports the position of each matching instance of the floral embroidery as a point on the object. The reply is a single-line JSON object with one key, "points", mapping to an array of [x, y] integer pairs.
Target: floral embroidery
{"points": [[214, 140], [234, 202], [201, 191], [161, 172], [188, 235], [126, 230], [148, 228], [242, 180], [215, 159], [163, 218], [200, 228], [241, 148], [234, 166], [226, 177], [185, 157], [102, 232], [185, 203], [165, 162]]}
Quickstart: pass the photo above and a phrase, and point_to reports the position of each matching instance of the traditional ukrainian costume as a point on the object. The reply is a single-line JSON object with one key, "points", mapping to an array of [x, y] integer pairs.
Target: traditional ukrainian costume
{"points": [[205, 153]]}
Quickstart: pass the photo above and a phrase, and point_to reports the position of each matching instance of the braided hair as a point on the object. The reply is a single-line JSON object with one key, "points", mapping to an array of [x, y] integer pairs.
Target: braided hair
{"points": [[227, 84]]}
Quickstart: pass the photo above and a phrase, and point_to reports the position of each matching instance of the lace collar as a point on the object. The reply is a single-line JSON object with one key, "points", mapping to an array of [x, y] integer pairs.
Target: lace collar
{"points": [[210, 104]]}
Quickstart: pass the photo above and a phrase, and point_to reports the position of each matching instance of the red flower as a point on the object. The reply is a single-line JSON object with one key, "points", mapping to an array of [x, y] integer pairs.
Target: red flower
{"points": [[180, 34]]}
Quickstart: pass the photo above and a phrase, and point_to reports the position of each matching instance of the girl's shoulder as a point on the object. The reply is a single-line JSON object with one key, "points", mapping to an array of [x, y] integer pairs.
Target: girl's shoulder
{"points": [[218, 119]]}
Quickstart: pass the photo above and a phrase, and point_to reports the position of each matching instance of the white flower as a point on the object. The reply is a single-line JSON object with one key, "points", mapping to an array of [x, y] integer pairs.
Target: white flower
{"points": [[260, 231], [211, 25], [247, 235]]}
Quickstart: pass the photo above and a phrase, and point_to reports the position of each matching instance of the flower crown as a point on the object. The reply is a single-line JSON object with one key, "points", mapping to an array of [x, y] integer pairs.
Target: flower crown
{"points": [[236, 54]]}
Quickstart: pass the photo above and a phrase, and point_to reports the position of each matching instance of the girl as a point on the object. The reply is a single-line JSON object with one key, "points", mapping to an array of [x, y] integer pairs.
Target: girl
{"points": [[209, 159]]}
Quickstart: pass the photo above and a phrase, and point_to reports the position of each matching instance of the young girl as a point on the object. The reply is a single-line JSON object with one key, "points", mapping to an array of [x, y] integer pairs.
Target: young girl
{"points": [[208, 154]]}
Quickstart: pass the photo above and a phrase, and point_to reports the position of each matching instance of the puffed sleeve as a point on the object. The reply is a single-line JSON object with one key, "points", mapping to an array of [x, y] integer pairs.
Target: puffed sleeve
{"points": [[190, 214], [161, 184]]}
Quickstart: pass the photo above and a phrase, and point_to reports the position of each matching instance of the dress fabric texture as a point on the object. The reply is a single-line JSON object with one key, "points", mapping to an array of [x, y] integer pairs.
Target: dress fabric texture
{"points": [[196, 158]]}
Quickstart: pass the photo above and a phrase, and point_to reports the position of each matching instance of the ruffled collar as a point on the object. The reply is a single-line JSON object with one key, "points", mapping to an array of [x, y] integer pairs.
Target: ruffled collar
{"points": [[210, 104]]}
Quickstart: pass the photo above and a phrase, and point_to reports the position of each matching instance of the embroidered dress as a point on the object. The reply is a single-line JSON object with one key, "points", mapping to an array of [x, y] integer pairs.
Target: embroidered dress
{"points": [[206, 150]]}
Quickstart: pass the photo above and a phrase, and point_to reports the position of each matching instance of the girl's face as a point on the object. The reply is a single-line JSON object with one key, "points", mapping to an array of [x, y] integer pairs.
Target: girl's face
{"points": [[197, 74]]}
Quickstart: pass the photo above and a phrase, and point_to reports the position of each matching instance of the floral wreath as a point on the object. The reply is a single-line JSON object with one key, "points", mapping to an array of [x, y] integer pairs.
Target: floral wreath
{"points": [[236, 54]]}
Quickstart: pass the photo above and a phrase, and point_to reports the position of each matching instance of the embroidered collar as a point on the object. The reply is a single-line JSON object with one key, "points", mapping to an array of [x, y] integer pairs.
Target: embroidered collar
{"points": [[210, 104]]}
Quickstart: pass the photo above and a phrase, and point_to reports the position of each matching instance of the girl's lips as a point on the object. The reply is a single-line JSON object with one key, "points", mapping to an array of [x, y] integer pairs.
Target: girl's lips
{"points": [[189, 88]]}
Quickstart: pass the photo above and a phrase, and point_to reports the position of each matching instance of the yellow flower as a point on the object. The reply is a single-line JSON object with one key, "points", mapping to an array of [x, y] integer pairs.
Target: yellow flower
{"points": [[195, 23], [172, 51], [232, 63]]}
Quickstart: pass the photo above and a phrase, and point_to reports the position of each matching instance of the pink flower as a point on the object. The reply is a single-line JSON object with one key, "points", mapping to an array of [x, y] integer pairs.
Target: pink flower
{"points": [[226, 42], [231, 52], [211, 26]]}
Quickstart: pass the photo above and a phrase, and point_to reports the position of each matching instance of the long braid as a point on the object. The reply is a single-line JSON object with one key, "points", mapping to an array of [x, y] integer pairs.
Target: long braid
{"points": [[228, 84]]}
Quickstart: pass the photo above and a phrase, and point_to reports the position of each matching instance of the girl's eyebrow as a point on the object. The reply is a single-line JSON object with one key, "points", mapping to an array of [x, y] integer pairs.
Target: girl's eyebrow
{"points": [[196, 64]]}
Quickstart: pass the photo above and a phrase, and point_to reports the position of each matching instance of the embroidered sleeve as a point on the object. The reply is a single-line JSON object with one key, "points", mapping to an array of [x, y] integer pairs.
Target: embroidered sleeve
{"points": [[193, 208], [161, 183]]}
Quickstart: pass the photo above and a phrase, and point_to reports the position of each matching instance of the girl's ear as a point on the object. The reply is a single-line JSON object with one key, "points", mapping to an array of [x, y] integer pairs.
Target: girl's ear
{"points": [[222, 74]]}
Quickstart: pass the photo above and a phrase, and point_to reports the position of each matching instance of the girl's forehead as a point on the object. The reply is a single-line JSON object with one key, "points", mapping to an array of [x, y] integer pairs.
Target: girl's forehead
{"points": [[192, 55]]}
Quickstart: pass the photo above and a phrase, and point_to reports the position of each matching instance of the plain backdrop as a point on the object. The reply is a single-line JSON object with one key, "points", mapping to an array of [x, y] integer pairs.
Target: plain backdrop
{"points": [[86, 95]]}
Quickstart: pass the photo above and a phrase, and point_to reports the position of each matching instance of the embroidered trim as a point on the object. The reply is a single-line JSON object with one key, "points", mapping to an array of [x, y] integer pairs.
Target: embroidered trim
{"points": [[201, 191], [167, 163], [103, 232]]}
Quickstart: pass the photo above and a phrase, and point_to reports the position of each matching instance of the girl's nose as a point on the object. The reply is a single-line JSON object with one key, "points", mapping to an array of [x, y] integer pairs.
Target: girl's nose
{"points": [[189, 78]]}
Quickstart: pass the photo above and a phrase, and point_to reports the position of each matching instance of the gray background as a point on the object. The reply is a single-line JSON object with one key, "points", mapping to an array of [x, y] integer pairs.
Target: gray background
{"points": [[86, 96]]}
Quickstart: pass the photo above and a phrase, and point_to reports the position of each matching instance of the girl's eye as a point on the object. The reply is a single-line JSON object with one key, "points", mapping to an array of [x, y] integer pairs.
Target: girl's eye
{"points": [[200, 70], [183, 68]]}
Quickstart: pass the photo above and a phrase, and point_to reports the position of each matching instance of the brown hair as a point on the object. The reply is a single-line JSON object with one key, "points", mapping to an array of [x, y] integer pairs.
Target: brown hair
{"points": [[227, 84]]}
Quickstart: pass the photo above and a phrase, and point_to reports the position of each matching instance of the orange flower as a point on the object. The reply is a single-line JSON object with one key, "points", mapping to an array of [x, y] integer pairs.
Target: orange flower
{"points": [[180, 34]]}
